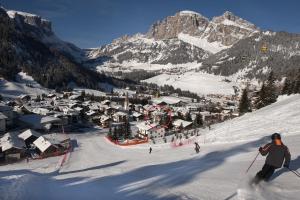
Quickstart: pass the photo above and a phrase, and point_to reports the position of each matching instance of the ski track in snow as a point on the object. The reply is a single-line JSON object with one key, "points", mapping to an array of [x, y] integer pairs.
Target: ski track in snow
{"points": [[97, 169]]}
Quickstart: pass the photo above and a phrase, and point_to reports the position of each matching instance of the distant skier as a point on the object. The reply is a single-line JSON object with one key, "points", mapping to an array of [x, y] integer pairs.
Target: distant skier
{"points": [[276, 153], [150, 150], [197, 147]]}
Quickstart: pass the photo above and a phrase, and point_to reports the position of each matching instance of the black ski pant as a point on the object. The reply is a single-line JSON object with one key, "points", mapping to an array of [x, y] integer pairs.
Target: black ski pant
{"points": [[266, 172]]}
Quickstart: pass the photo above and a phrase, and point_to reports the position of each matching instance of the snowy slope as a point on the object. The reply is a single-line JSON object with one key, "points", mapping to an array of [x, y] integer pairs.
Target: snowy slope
{"points": [[198, 82], [282, 116], [96, 169], [24, 85]]}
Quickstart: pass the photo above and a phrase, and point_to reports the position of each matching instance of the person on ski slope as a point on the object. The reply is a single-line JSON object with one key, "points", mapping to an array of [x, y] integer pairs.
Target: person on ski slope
{"points": [[276, 153], [197, 147]]}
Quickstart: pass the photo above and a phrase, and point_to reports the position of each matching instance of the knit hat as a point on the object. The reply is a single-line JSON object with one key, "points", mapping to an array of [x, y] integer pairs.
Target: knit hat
{"points": [[275, 136]]}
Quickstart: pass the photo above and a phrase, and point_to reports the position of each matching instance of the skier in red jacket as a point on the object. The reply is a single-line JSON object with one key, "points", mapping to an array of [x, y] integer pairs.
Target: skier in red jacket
{"points": [[276, 153]]}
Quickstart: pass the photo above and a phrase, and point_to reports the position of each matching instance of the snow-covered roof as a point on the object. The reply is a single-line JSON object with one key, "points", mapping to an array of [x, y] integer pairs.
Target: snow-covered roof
{"points": [[56, 138], [145, 126], [42, 111], [38, 120], [184, 123], [74, 96], [167, 99], [136, 114], [90, 113], [49, 120], [28, 133], [120, 113], [42, 144], [10, 140]]}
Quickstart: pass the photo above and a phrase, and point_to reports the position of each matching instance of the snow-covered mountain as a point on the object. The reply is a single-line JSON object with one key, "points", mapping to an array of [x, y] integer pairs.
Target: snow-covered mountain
{"points": [[185, 37], [28, 44], [254, 57]]}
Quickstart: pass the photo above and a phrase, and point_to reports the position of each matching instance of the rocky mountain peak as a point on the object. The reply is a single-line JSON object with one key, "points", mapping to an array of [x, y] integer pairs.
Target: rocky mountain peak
{"points": [[187, 22], [31, 19]]}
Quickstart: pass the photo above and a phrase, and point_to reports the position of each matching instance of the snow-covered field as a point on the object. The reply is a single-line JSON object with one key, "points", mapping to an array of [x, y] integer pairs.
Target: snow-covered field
{"points": [[24, 85], [198, 82], [97, 169]]}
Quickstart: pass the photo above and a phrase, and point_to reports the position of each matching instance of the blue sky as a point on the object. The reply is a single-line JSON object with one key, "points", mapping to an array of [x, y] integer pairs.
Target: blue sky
{"points": [[91, 23]]}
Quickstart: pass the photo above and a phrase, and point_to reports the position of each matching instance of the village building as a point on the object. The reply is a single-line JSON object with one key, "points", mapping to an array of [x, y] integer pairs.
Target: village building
{"points": [[120, 116], [37, 122], [11, 147], [29, 136], [146, 129], [137, 116], [44, 147], [182, 124], [105, 121], [3, 119]]}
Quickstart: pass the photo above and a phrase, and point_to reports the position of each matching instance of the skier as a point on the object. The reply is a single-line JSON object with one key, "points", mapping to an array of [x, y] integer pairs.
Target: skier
{"points": [[197, 147], [150, 150], [277, 152]]}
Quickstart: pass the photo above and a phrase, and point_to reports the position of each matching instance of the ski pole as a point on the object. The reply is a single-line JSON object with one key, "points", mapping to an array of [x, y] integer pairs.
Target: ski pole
{"points": [[295, 172], [252, 162]]}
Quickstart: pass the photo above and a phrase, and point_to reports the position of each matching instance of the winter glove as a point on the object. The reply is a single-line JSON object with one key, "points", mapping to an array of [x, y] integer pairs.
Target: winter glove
{"points": [[260, 149]]}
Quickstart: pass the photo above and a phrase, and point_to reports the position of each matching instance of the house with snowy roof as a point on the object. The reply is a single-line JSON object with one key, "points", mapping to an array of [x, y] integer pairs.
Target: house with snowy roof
{"points": [[12, 147], [150, 130], [120, 116], [44, 146], [29, 136], [179, 123]]}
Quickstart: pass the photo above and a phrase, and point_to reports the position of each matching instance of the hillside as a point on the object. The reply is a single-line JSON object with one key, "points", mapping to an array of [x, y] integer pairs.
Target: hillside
{"points": [[29, 45]]}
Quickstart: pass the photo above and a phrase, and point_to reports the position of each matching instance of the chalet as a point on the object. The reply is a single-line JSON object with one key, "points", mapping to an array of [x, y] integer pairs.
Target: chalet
{"points": [[39, 122], [105, 121], [179, 123], [120, 116], [137, 116], [12, 147], [2, 123], [150, 130], [29, 136], [44, 146]]}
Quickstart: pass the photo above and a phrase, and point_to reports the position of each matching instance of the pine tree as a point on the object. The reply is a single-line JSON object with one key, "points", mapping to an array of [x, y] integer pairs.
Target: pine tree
{"points": [[110, 132], [198, 121], [287, 87], [267, 94], [296, 88], [115, 135], [245, 104], [127, 129], [188, 117], [271, 90]]}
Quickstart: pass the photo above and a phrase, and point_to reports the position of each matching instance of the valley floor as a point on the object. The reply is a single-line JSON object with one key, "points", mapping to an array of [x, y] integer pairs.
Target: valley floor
{"points": [[97, 169]]}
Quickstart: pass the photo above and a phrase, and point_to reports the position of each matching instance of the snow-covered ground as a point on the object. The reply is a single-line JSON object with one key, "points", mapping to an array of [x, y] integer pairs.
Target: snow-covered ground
{"points": [[198, 82], [128, 66], [24, 85], [97, 169]]}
